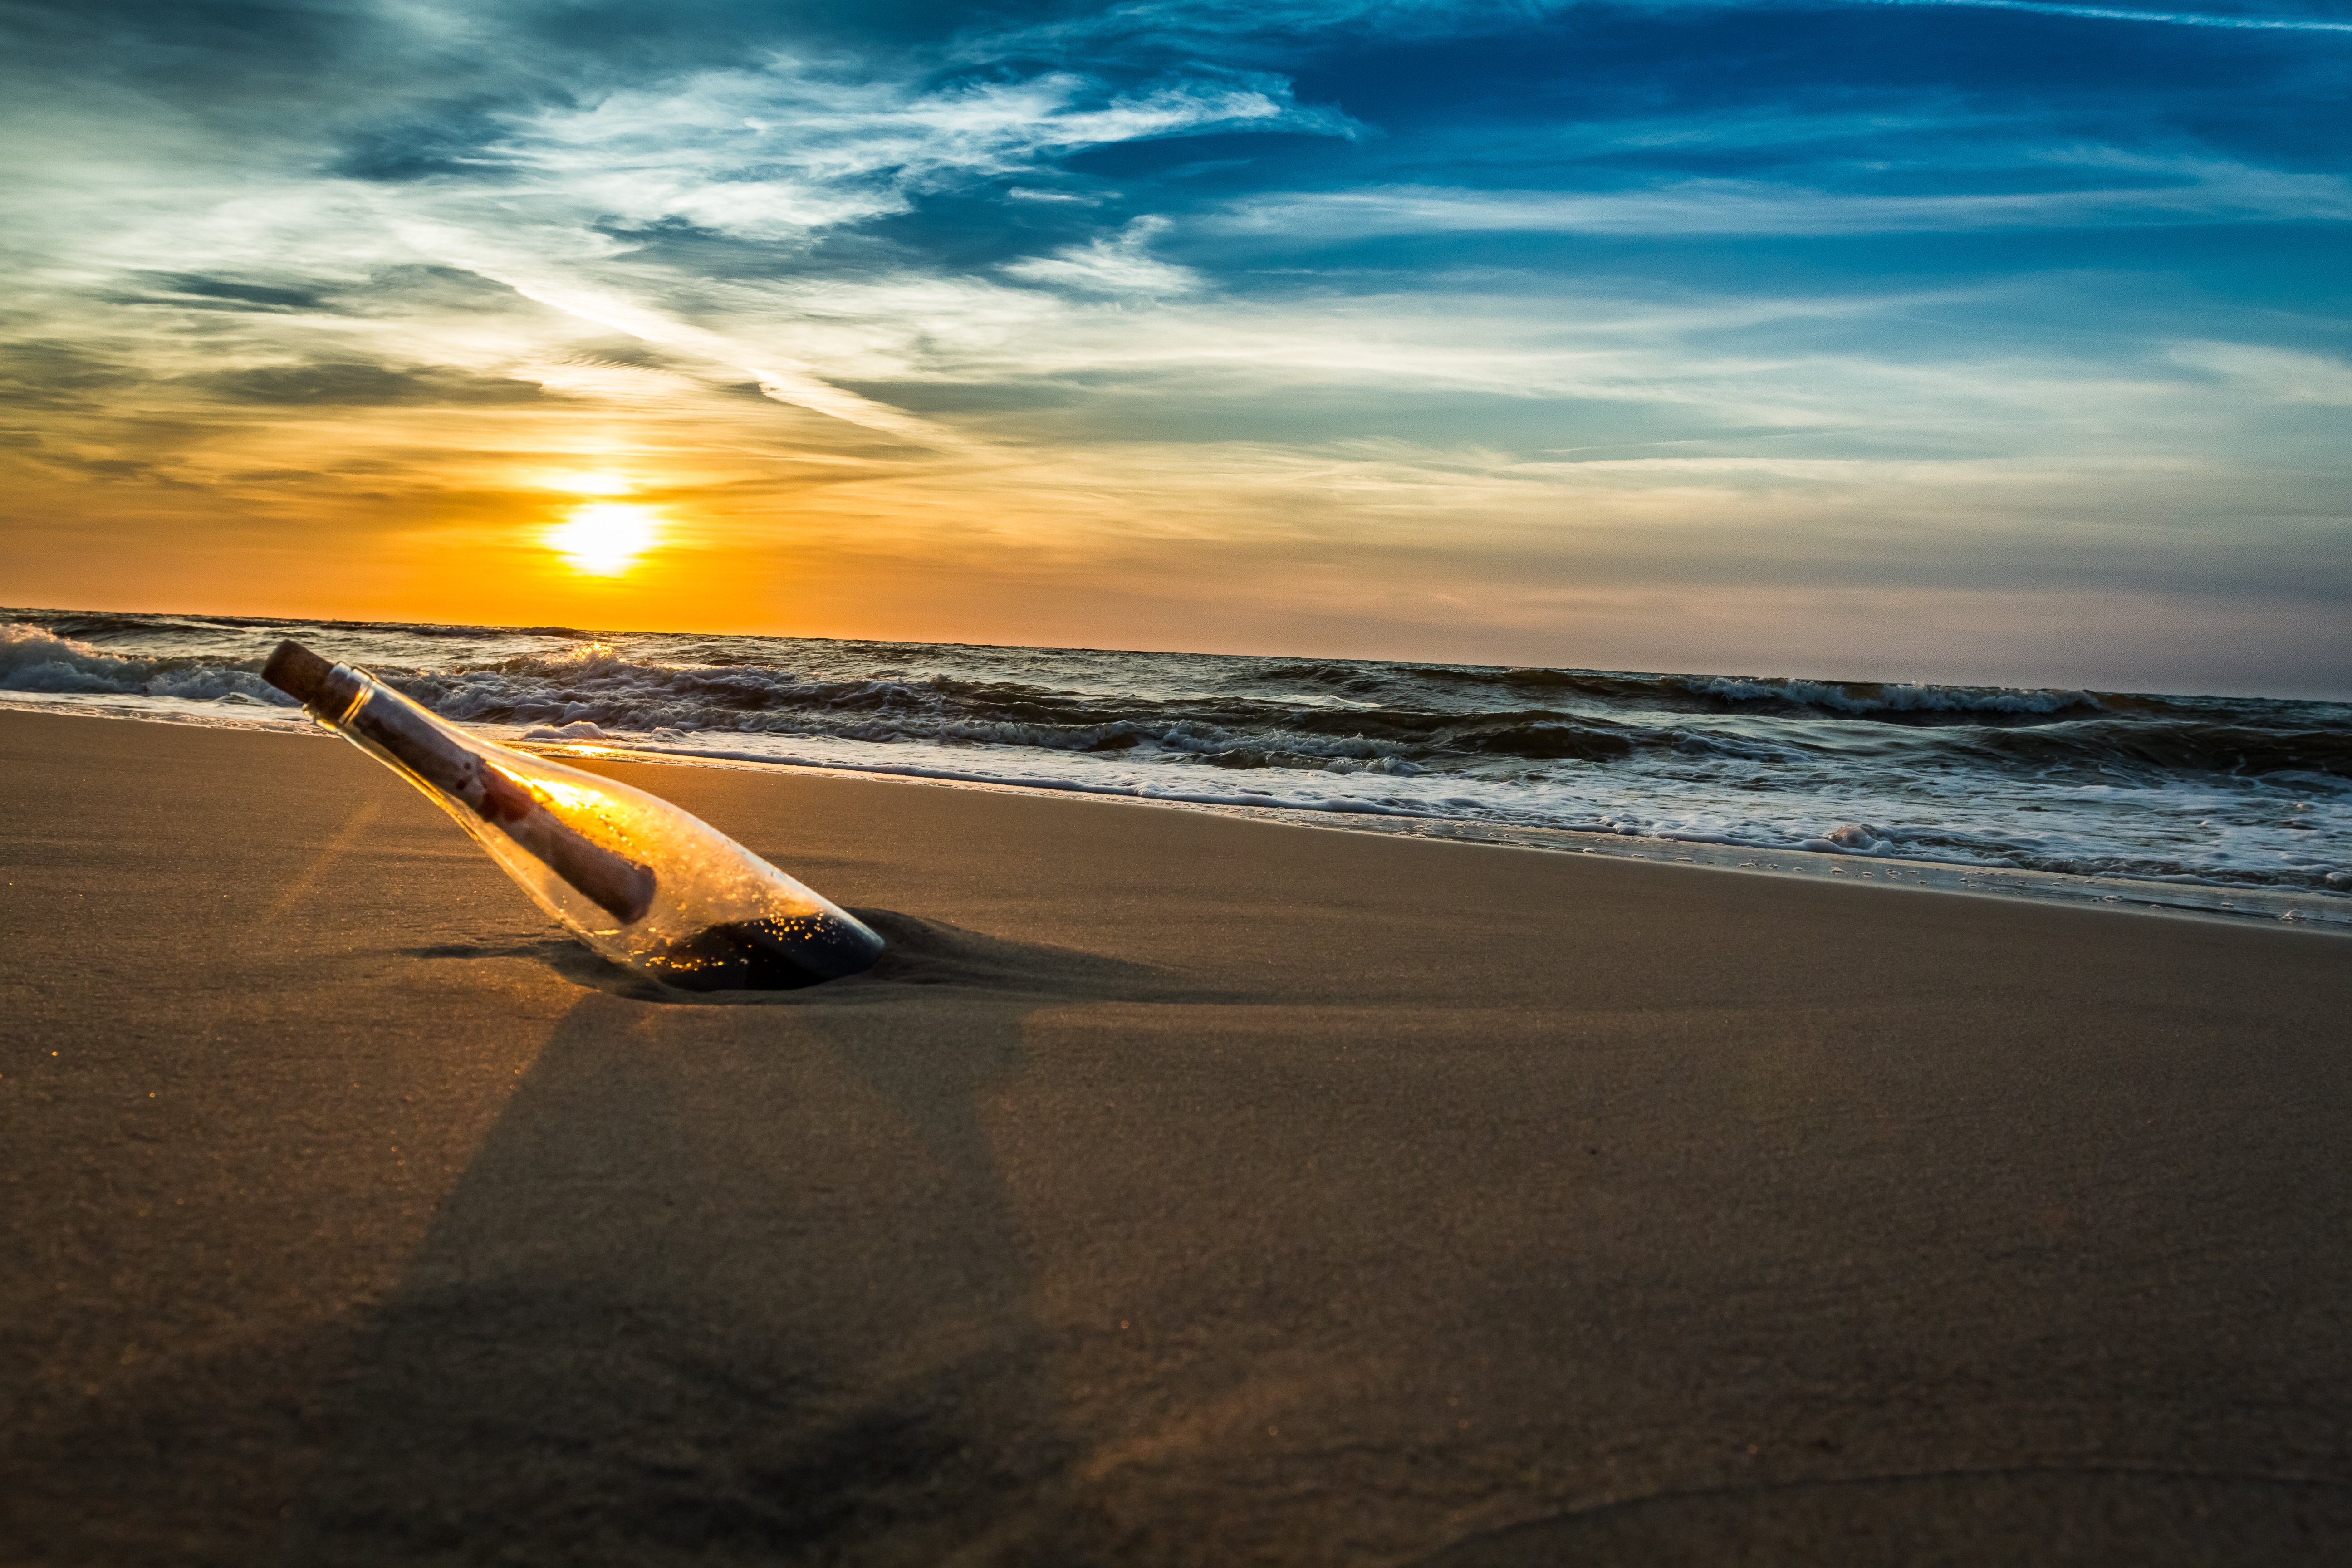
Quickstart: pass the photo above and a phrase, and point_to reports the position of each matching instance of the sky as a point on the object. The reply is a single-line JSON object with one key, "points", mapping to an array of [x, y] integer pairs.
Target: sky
{"points": [[1928, 340]]}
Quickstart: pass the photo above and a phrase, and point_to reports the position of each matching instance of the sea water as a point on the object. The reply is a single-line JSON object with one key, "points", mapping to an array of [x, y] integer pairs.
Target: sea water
{"points": [[2249, 795]]}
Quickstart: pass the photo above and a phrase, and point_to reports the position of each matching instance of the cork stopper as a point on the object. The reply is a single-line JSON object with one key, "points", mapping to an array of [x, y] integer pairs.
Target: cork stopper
{"points": [[308, 678]]}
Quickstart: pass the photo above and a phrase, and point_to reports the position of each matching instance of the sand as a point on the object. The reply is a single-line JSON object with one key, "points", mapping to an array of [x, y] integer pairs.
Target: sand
{"points": [[1182, 1190]]}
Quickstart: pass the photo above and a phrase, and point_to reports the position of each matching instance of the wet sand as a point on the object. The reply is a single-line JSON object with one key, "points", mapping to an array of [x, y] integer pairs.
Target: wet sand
{"points": [[1182, 1190]]}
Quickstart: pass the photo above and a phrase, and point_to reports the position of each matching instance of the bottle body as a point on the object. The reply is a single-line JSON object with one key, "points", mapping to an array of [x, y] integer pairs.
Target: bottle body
{"points": [[645, 884]]}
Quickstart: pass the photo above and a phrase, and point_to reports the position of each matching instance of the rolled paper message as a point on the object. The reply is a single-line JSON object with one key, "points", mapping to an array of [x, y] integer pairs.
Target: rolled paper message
{"points": [[382, 721]]}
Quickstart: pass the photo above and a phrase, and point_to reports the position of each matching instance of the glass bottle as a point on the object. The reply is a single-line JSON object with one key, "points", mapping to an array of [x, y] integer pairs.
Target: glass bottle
{"points": [[641, 881]]}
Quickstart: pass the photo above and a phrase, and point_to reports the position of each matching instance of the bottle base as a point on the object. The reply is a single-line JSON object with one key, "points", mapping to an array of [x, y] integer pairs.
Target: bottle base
{"points": [[763, 955]]}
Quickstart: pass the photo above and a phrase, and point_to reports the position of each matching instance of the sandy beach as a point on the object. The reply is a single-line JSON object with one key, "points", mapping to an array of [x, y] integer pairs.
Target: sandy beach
{"points": [[1181, 1190]]}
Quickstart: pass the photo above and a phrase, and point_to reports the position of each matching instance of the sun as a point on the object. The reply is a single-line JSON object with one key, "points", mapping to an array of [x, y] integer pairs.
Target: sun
{"points": [[606, 538]]}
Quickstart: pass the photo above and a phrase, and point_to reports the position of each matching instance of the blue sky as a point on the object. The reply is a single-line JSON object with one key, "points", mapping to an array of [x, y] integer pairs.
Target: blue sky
{"points": [[1913, 341]]}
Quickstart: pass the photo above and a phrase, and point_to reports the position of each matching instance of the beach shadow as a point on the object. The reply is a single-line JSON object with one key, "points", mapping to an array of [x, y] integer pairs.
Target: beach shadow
{"points": [[918, 953], [732, 1283], [186, 1464], [2148, 1517]]}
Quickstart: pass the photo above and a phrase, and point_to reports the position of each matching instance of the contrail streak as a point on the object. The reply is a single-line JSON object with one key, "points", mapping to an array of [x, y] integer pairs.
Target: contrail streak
{"points": [[784, 383], [2114, 13]]}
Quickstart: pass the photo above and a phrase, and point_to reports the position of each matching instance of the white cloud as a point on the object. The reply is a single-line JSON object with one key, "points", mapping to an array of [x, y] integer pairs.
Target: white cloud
{"points": [[2199, 192], [2275, 375], [782, 152], [1201, 21], [1114, 266], [781, 379], [2124, 13], [1229, 21]]}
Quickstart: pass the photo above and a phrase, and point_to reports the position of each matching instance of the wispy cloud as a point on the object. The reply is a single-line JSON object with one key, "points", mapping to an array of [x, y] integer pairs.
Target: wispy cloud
{"points": [[2273, 374], [2126, 14], [1196, 24], [2198, 194], [791, 149], [1117, 265], [781, 380]]}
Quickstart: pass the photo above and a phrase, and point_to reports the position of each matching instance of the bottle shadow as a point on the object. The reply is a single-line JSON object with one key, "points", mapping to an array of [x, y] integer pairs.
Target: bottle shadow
{"points": [[918, 953], [736, 1281]]}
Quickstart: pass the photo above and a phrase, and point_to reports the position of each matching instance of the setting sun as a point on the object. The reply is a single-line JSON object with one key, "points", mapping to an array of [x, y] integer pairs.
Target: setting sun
{"points": [[604, 538]]}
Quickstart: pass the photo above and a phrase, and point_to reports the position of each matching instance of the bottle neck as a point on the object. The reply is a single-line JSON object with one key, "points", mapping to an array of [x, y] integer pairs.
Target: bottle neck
{"points": [[332, 692], [339, 695]]}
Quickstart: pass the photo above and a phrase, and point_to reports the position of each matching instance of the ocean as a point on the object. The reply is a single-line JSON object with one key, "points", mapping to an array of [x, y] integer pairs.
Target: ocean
{"points": [[2215, 804]]}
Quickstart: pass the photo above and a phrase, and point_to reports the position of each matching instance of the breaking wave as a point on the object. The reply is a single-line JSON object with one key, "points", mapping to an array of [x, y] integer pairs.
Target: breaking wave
{"points": [[2247, 791], [34, 659]]}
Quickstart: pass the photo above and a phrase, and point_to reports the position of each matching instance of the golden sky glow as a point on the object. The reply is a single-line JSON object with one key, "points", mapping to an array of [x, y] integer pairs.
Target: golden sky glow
{"points": [[1048, 335], [596, 484]]}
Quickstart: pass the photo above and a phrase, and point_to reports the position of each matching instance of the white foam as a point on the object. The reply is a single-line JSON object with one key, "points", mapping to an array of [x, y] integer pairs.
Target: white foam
{"points": [[1900, 697], [33, 660]]}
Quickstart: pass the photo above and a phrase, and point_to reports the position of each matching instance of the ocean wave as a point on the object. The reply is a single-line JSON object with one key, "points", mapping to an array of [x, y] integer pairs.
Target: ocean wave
{"points": [[1893, 703], [2160, 748], [34, 659], [595, 683], [2231, 792], [1883, 701]]}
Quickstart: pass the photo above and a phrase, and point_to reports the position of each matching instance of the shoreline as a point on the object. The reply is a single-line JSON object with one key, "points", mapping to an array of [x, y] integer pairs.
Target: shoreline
{"points": [[2217, 903]]}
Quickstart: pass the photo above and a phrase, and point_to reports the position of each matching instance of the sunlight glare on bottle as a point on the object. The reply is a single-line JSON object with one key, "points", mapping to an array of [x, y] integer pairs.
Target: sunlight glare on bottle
{"points": [[604, 538]]}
